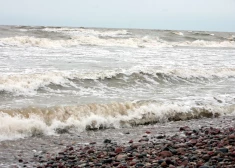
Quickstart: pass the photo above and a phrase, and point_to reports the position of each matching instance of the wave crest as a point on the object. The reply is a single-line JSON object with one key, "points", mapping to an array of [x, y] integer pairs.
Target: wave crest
{"points": [[145, 42], [29, 83], [29, 121]]}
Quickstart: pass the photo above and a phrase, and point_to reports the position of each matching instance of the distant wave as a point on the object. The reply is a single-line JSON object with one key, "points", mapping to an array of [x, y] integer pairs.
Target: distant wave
{"points": [[18, 123], [135, 42], [203, 34], [91, 32], [231, 38], [178, 33], [203, 43], [28, 84]]}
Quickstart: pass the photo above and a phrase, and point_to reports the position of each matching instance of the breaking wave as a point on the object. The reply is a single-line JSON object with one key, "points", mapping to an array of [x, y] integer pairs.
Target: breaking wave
{"points": [[178, 33], [203, 43], [91, 32], [31, 121], [203, 34], [29, 84], [135, 42]]}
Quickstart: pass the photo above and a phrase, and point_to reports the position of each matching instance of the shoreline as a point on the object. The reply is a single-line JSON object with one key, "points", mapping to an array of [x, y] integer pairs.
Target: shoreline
{"points": [[38, 151]]}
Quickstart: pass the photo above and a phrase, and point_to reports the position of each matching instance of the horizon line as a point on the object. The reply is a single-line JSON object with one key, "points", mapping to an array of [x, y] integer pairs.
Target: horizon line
{"points": [[88, 27]]}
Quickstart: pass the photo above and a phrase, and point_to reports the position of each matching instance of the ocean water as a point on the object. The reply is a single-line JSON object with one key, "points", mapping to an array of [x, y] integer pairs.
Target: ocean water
{"points": [[54, 78]]}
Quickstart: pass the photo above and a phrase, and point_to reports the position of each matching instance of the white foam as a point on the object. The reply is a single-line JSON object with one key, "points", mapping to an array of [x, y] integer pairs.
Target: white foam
{"points": [[178, 33], [32, 121], [121, 42], [28, 84], [14, 127], [89, 32], [37, 42], [23, 30], [203, 43]]}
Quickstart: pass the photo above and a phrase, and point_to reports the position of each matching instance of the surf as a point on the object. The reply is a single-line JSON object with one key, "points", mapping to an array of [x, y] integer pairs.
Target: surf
{"points": [[31, 121]]}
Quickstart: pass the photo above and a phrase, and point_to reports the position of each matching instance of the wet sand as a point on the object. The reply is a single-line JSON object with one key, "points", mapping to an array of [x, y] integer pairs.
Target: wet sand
{"points": [[29, 152]]}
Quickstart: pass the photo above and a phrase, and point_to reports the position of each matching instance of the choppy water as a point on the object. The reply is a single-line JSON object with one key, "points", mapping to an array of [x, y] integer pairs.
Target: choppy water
{"points": [[79, 78]]}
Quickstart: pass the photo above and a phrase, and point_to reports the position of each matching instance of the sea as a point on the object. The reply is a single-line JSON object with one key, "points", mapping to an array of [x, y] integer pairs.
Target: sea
{"points": [[62, 79]]}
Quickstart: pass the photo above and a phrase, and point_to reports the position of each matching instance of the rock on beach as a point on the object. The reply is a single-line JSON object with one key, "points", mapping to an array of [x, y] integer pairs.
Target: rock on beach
{"points": [[204, 148]]}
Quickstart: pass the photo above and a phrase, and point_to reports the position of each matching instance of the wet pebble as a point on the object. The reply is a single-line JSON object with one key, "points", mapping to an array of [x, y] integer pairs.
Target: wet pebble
{"points": [[190, 148], [107, 141]]}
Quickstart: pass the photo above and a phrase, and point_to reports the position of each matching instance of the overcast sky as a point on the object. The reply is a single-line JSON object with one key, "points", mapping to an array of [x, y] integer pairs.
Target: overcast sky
{"points": [[214, 15]]}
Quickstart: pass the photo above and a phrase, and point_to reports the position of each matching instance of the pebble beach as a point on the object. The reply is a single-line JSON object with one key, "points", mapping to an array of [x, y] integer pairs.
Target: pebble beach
{"points": [[106, 97], [204, 143]]}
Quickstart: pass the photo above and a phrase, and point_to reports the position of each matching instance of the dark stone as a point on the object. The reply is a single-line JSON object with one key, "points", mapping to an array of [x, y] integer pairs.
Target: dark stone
{"points": [[166, 149], [130, 158], [112, 154], [145, 139], [195, 131], [98, 164], [50, 162], [188, 133], [232, 154], [172, 150], [107, 161], [61, 153], [160, 161], [139, 165], [90, 151], [140, 156], [185, 128], [206, 157], [161, 136], [42, 161], [70, 148], [168, 161], [231, 141], [114, 143], [107, 141], [193, 158], [62, 130], [116, 163], [128, 149], [224, 150], [71, 157]]}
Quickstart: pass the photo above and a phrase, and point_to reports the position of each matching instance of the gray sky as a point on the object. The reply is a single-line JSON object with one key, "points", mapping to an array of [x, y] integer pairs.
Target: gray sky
{"points": [[214, 15]]}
